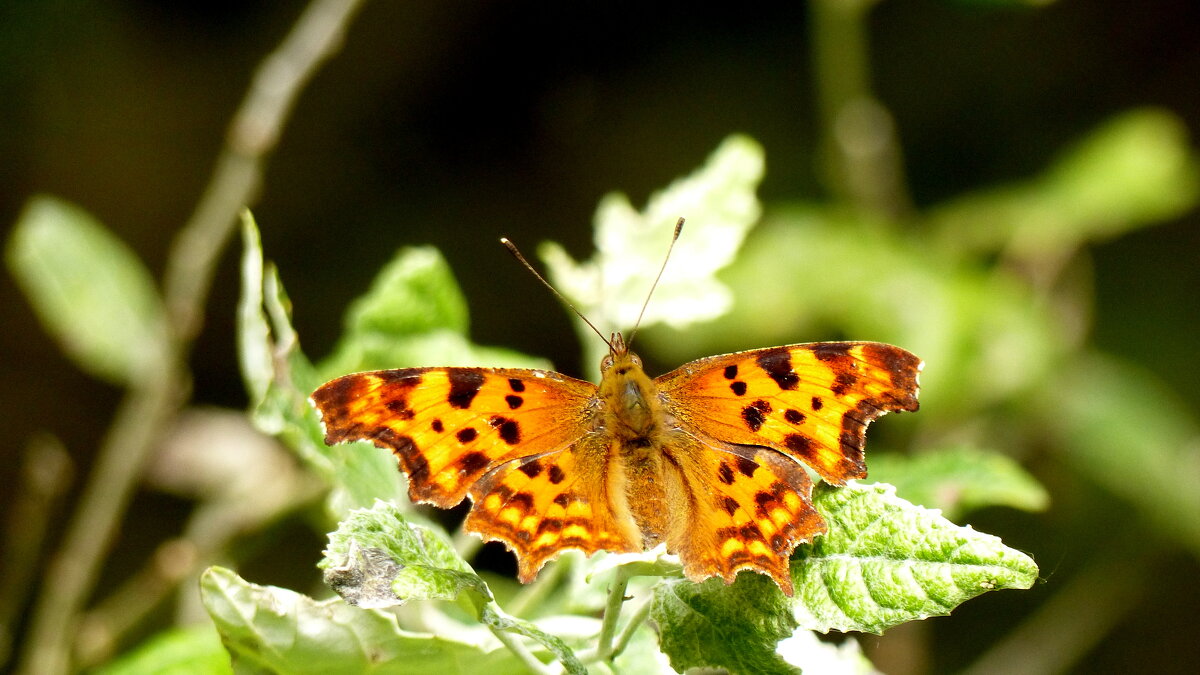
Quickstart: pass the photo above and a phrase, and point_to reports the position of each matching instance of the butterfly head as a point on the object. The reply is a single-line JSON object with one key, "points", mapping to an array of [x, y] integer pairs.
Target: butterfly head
{"points": [[627, 391]]}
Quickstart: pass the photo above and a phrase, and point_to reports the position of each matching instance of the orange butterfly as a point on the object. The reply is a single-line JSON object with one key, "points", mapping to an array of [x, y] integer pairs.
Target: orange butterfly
{"points": [[707, 458]]}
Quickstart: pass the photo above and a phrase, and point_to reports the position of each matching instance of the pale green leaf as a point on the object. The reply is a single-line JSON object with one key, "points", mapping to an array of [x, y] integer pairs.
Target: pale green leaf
{"points": [[1129, 432], [712, 625], [720, 206], [90, 291], [194, 650], [272, 629], [377, 558], [960, 479], [885, 561]]}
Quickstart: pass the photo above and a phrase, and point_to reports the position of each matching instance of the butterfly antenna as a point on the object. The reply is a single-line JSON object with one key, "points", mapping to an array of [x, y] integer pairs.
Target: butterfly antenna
{"points": [[512, 248], [674, 238]]}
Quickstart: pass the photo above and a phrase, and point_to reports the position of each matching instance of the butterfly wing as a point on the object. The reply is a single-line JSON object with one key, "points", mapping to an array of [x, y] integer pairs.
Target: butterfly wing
{"points": [[522, 443], [812, 402], [450, 426]]}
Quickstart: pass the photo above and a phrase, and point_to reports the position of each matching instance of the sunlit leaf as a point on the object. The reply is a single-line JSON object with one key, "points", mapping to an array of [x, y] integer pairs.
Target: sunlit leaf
{"points": [[885, 561]]}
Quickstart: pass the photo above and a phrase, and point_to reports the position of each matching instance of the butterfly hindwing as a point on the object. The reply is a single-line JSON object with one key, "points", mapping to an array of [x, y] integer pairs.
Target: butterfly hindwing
{"points": [[538, 506], [450, 426], [736, 507], [812, 402]]}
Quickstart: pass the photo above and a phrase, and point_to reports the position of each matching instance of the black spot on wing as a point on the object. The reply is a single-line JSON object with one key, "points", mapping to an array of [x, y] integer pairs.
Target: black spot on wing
{"points": [[399, 407], [725, 474], [562, 499], [437, 426], [817, 403], [531, 468], [464, 385], [513, 402], [755, 414], [467, 435], [730, 505], [556, 474], [746, 466], [738, 388], [471, 462], [516, 385], [777, 363], [794, 416], [509, 430], [731, 372]]}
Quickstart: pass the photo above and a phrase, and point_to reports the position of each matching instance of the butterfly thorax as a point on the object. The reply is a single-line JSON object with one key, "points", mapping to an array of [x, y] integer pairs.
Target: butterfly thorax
{"points": [[633, 417], [631, 408]]}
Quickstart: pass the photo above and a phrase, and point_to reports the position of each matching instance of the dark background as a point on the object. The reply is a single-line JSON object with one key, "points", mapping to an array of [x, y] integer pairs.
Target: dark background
{"points": [[456, 123]]}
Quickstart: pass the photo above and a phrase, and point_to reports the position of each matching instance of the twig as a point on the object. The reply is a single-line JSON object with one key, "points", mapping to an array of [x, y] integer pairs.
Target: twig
{"points": [[638, 618], [153, 401], [612, 611], [45, 474], [861, 158]]}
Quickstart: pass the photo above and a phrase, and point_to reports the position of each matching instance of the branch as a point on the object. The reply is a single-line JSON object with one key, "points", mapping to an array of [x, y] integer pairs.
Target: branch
{"points": [[151, 403]]}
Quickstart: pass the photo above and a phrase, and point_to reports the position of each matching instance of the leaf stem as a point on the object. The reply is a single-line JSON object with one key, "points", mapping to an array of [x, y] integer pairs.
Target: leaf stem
{"points": [[532, 595], [638, 618], [612, 611], [514, 644]]}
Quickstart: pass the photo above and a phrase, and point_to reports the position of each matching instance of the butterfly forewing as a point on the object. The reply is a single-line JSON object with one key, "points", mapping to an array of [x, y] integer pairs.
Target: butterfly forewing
{"points": [[450, 426], [812, 401]]}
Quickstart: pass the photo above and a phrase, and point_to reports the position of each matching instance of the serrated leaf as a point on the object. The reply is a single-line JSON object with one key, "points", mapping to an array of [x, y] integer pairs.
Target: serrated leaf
{"points": [[279, 378], [90, 291], [713, 625], [377, 558], [272, 629], [720, 205], [886, 561], [1126, 430], [195, 650], [958, 480]]}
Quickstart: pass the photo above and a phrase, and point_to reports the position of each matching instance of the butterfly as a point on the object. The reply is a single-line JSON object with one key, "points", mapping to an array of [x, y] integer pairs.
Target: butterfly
{"points": [[709, 458]]}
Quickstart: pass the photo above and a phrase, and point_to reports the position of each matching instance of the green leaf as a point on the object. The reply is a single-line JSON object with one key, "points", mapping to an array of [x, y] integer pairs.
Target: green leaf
{"points": [[414, 315], [376, 558], [279, 378], [272, 629], [720, 205], [1121, 426], [717, 626], [90, 291], [961, 479], [193, 650], [885, 561]]}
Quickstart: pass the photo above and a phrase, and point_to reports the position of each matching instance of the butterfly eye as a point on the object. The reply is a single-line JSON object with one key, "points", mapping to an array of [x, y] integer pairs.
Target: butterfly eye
{"points": [[606, 363], [635, 360]]}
